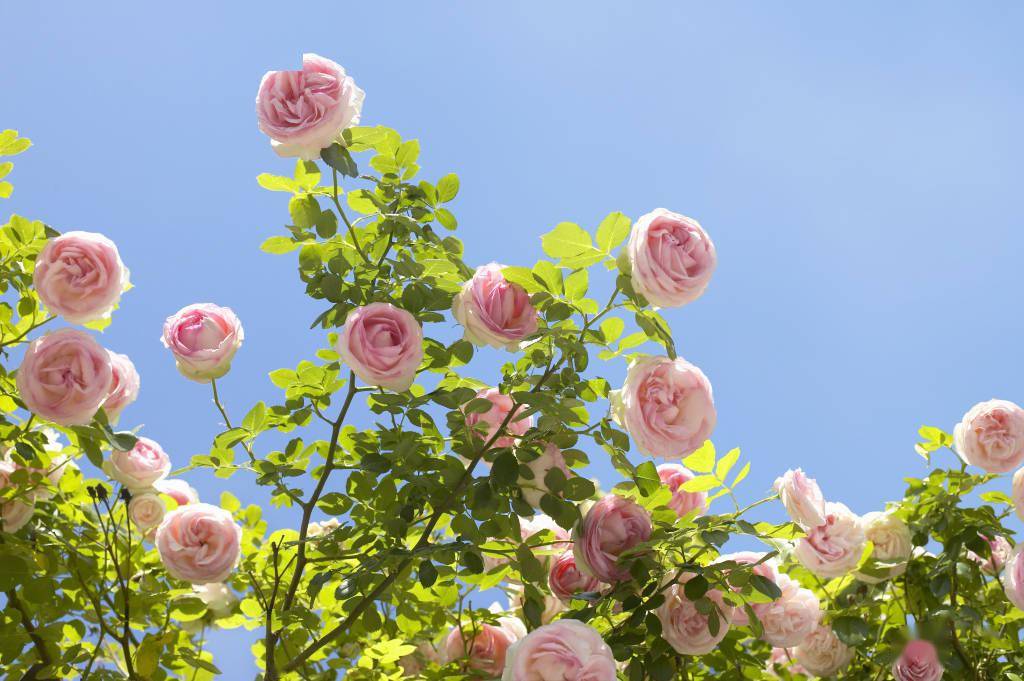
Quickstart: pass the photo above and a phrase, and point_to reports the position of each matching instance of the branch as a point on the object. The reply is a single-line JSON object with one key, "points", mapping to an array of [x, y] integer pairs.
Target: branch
{"points": [[40, 645]]}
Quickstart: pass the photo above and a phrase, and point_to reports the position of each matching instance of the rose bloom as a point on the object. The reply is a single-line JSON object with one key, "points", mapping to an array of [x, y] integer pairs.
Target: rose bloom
{"points": [[535, 488], [790, 618], [566, 580], [494, 311], [919, 661], [64, 377], [323, 528], [141, 467], [80, 276], [673, 476], [305, 111], [1017, 493], [124, 388], [560, 651], [672, 258], [769, 569], [383, 345], [495, 416], [991, 436], [684, 627], [199, 543], [822, 653], [17, 512], [146, 510], [610, 527], [892, 544], [1000, 553], [485, 652], [1013, 577], [802, 498], [218, 597], [179, 490], [203, 339], [666, 405], [833, 548]]}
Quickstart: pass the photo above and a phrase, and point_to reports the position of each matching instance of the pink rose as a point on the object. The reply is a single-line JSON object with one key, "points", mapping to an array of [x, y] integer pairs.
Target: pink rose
{"points": [[919, 661], [305, 111], [822, 653], [64, 377], [892, 544], [684, 627], [179, 490], [494, 311], [203, 339], [611, 527], [802, 498], [566, 580], [560, 651], [199, 543], [534, 488], [16, 513], [769, 569], [672, 258], [146, 510], [666, 405], [217, 596], [383, 345], [682, 502], [124, 388], [141, 467], [495, 416], [790, 618], [1017, 493], [1000, 553], [991, 436], [80, 276], [1013, 577], [485, 651], [835, 547]]}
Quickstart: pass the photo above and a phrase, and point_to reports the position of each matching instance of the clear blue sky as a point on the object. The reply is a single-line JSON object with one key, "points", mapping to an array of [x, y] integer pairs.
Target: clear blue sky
{"points": [[858, 167]]}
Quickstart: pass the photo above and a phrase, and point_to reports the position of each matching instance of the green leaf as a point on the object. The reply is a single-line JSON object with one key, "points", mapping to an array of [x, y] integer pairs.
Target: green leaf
{"points": [[612, 231], [702, 460], [576, 285], [276, 183], [566, 240], [278, 245], [505, 470], [447, 187], [701, 483], [851, 630], [337, 157], [765, 586], [647, 479], [726, 463], [696, 587], [304, 211], [445, 217]]}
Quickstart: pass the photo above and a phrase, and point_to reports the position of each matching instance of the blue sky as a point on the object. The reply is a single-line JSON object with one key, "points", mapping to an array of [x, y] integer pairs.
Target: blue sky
{"points": [[858, 168]]}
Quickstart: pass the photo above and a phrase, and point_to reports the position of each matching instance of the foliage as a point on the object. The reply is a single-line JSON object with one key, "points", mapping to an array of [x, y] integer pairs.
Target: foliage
{"points": [[431, 515]]}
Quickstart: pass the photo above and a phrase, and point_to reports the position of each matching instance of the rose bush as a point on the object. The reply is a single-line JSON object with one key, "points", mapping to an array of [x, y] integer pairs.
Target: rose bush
{"points": [[457, 487]]}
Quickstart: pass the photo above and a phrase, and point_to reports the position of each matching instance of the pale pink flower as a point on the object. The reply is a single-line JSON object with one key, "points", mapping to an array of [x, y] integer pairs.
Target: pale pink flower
{"points": [[673, 476], [802, 498], [610, 528], [64, 377], [991, 436], [199, 543], [80, 276], [494, 311], [203, 339], [835, 547], [566, 650], [672, 258], [919, 661], [304, 111], [383, 345]]}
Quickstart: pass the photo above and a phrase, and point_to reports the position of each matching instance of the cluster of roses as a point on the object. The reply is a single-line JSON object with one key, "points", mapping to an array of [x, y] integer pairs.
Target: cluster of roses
{"points": [[991, 437], [665, 404], [66, 377]]}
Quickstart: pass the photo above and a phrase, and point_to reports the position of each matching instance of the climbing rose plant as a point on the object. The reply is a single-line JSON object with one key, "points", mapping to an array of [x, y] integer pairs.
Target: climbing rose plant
{"points": [[456, 489]]}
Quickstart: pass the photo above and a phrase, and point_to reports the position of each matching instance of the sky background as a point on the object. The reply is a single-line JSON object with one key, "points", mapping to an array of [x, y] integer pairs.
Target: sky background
{"points": [[859, 169]]}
